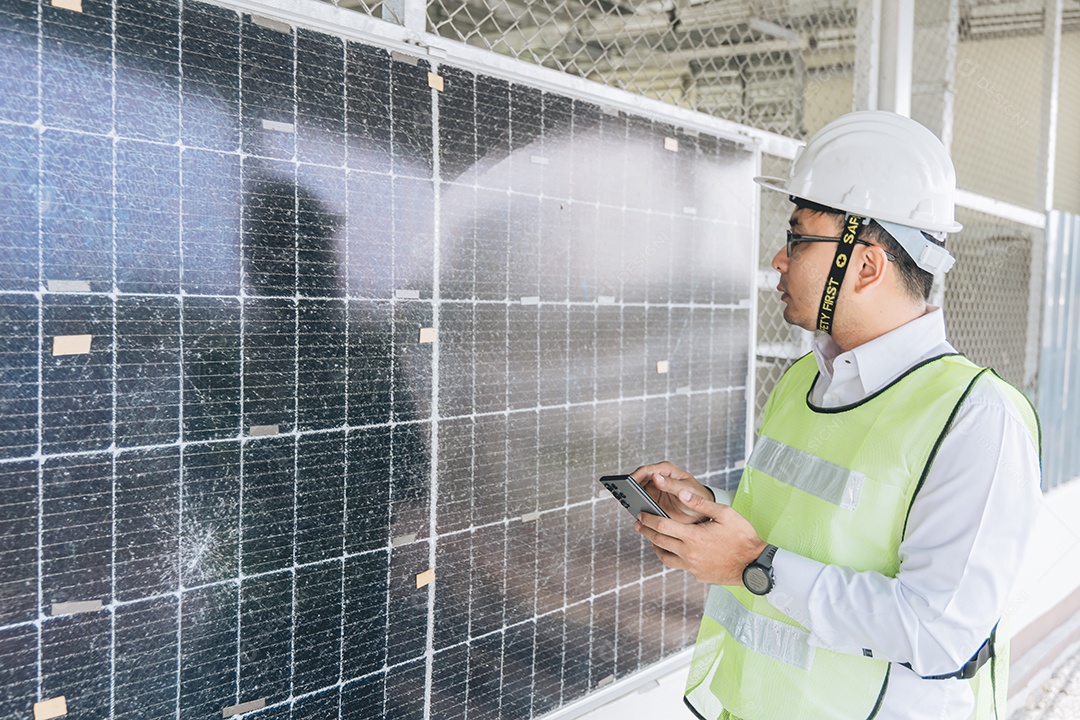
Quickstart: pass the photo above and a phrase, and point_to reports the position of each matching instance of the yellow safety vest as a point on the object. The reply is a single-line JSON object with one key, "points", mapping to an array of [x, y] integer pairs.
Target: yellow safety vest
{"points": [[834, 485]]}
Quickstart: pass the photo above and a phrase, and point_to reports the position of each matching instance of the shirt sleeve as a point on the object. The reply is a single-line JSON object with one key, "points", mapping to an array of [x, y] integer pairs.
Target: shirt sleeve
{"points": [[966, 536]]}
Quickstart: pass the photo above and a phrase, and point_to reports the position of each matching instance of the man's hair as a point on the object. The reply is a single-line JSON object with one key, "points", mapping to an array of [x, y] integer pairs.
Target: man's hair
{"points": [[916, 281]]}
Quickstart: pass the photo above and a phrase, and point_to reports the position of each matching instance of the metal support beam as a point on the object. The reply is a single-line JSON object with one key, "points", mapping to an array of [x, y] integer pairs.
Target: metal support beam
{"points": [[1052, 12], [884, 40], [897, 45], [1051, 81], [933, 82], [867, 55]]}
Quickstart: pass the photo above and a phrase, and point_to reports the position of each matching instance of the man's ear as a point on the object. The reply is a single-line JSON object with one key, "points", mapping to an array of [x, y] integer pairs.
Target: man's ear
{"points": [[872, 268]]}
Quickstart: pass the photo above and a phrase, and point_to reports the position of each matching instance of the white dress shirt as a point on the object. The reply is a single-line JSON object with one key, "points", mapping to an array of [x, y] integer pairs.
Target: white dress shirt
{"points": [[966, 536]]}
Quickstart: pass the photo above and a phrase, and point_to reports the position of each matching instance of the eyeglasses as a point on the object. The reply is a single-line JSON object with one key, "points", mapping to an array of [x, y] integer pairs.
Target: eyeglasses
{"points": [[794, 239]]}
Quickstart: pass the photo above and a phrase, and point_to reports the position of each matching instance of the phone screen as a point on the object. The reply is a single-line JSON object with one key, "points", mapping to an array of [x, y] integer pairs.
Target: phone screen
{"points": [[626, 490]]}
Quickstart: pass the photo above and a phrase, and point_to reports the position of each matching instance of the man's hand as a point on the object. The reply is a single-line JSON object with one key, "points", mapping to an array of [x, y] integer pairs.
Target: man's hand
{"points": [[713, 552], [663, 481]]}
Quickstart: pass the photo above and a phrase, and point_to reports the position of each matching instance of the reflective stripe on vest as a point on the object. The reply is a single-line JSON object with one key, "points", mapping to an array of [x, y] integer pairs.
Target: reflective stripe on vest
{"points": [[771, 638], [834, 485], [821, 478]]}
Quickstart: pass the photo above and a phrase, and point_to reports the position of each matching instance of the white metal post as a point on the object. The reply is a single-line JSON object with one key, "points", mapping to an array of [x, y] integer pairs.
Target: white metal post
{"points": [[933, 84], [867, 55], [897, 44], [1052, 12]]}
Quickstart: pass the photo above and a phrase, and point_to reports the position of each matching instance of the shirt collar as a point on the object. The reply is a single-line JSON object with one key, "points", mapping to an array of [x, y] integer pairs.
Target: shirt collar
{"points": [[887, 356]]}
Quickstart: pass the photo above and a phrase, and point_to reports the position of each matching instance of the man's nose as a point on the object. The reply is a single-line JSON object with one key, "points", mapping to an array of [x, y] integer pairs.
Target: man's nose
{"points": [[780, 260]]}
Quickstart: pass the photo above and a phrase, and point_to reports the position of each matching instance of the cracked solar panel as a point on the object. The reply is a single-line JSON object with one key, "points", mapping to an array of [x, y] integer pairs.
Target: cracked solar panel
{"points": [[226, 503]]}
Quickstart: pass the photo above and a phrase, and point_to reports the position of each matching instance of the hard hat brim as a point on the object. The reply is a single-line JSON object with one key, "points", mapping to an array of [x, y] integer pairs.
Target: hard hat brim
{"points": [[772, 183], [781, 185]]}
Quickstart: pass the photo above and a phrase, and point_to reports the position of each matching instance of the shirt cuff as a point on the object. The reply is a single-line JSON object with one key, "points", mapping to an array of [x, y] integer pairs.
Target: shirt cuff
{"points": [[794, 577]]}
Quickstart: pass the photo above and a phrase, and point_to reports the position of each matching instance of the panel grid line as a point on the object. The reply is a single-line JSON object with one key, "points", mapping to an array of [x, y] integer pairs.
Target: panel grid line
{"points": [[433, 494], [40, 190], [347, 460], [113, 384], [181, 373]]}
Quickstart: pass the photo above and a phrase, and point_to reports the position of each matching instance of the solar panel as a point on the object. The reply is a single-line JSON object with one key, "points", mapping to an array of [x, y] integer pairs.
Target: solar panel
{"points": [[310, 369]]}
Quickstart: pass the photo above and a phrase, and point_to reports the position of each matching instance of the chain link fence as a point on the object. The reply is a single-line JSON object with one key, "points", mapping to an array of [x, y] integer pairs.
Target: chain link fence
{"points": [[988, 296], [779, 65], [368, 7], [788, 66]]}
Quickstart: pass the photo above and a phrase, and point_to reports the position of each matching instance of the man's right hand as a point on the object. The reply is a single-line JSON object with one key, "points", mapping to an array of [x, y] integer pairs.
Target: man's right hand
{"points": [[663, 481]]}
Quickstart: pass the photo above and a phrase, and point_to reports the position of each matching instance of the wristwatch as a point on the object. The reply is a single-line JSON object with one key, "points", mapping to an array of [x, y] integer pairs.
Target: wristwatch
{"points": [[758, 575]]}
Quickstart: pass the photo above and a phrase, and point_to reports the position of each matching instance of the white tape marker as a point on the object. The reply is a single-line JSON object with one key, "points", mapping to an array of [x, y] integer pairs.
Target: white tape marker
{"points": [[269, 24], [435, 82], [75, 5], [671, 144], [684, 390], [74, 608], [531, 517], [403, 58], [71, 344], [69, 286], [425, 578], [428, 335], [606, 299], [539, 160], [243, 708], [278, 126], [530, 300], [51, 708], [404, 540], [662, 366], [263, 430], [407, 294]]}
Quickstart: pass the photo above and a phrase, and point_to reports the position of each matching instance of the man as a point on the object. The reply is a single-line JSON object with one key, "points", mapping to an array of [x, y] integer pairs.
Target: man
{"points": [[863, 567]]}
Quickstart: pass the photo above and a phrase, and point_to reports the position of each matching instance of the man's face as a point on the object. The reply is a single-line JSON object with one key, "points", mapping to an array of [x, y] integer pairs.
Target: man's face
{"points": [[803, 275]]}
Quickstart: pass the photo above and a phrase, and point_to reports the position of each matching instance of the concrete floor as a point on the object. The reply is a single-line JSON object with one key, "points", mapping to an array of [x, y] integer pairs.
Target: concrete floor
{"points": [[1058, 698]]}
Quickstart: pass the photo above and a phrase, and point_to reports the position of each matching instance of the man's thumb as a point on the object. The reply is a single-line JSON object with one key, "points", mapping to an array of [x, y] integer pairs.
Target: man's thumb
{"points": [[695, 501]]}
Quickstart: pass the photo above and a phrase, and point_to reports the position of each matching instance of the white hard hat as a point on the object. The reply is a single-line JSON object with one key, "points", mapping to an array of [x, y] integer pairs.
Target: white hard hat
{"points": [[884, 166]]}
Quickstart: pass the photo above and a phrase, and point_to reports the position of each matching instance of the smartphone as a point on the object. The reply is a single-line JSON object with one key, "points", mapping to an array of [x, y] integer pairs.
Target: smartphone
{"points": [[631, 495]]}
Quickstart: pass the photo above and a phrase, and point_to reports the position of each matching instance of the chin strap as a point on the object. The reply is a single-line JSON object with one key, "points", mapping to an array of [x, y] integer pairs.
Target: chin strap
{"points": [[827, 307]]}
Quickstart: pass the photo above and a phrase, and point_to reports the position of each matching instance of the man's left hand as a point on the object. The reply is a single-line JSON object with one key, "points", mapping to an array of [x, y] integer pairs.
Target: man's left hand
{"points": [[714, 552]]}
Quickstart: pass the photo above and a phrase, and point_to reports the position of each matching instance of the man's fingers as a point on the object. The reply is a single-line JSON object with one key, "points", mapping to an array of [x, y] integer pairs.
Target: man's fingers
{"points": [[662, 525], [645, 473], [673, 485], [669, 559], [656, 536], [702, 505]]}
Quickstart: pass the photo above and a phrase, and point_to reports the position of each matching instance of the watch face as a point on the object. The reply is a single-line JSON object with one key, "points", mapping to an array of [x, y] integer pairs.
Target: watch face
{"points": [[756, 580]]}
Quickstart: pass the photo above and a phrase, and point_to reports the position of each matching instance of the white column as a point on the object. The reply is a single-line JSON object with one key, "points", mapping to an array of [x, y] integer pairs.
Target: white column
{"points": [[1051, 80], [897, 41], [933, 82], [867, 54], [884, 38], [1052, 11]]}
